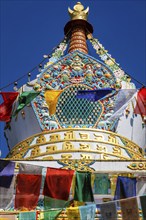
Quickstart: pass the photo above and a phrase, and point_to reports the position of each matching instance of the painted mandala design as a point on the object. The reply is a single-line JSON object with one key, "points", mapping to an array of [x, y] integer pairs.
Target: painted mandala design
{"points": [[74, 72]]}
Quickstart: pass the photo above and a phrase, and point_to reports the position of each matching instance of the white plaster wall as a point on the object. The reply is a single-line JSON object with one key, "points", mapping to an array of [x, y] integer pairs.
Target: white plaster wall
{"points": [[113, 167], [132, 127]]}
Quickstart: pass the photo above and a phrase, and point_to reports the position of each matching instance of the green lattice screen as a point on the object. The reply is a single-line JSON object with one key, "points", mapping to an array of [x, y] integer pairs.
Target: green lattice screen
{"points": [[73, 111]]}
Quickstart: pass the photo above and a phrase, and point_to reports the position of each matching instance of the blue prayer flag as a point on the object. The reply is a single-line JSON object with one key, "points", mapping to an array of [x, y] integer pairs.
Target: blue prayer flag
{"points": [[6, 173], [87, 212], [95, 95], [126, 187]]}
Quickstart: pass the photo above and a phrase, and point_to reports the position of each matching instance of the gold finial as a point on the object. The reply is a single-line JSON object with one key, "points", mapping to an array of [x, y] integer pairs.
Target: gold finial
{"points": [[78, 12]]}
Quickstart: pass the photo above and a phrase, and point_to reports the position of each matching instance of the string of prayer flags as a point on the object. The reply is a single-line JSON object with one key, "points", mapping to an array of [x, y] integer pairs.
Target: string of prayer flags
{"points": [[87, 212], [126, 187], [58, 183], [108, 210], [95, 95], [24, 99], [51, 97], [104, 55], [129, 209], [143, 205], [27, 216], [83, 189], [6, 106], [30, 169], [52, 214], [27, 191], [101, 183], [140, 107]]}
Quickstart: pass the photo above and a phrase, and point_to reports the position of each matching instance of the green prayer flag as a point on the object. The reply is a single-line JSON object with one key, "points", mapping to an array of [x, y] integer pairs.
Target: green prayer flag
{"points": [[101, 183], [54, 203], [143, 205], [83, 189], [27, 215], [52, 214], [24, 99]]}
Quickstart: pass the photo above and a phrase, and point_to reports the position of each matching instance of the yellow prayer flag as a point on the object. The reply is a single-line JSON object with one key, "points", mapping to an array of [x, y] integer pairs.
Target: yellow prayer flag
{"points": [[73, 213], [51, 97], [8, 217]]}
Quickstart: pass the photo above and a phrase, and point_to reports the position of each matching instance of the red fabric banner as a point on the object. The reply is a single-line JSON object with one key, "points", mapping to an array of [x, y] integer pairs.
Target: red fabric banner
{"points": [[141, 102], [6, 106], [58, 183], [27, 191]]}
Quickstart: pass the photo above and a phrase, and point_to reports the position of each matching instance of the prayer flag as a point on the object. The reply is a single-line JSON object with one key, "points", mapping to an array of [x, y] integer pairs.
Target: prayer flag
{"points": [[27, 216], [123, 98], [8, 217], [6, 168], [83, 189], [27, 191], [141, 102], [6, 195], [3, 164], [6, 106], [51, 214], [95, 95], [29, 169], [87, 212], [51, 97], [129, 209], [6, 183], [54, 203], [126, 187], [73, 213], [143, 205], [108, 210], [101, 183], [24, 99], [6, 173], [58, 183], [141, 186]]}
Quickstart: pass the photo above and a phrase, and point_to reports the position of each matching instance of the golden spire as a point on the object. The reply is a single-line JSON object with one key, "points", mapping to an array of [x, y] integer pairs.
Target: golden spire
{"points": [[78, 12], [78, 28]]}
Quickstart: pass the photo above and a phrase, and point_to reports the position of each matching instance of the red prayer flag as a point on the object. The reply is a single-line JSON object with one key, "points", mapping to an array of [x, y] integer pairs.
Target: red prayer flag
{"points": [[141, 102], [27, 191], [58, 183], [6, 106]]}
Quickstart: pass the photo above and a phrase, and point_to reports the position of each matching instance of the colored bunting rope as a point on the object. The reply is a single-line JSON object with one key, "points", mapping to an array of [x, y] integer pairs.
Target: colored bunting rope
{"points": [[59, 50], [56, 53], [107, 58]]}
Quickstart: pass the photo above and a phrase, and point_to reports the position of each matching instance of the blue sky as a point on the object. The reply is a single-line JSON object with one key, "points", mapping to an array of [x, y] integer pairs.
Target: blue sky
{"points": [[31, 28]]}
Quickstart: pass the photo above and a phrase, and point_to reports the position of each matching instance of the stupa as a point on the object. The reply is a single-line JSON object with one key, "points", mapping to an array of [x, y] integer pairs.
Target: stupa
{"points": [[82, 134]]}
